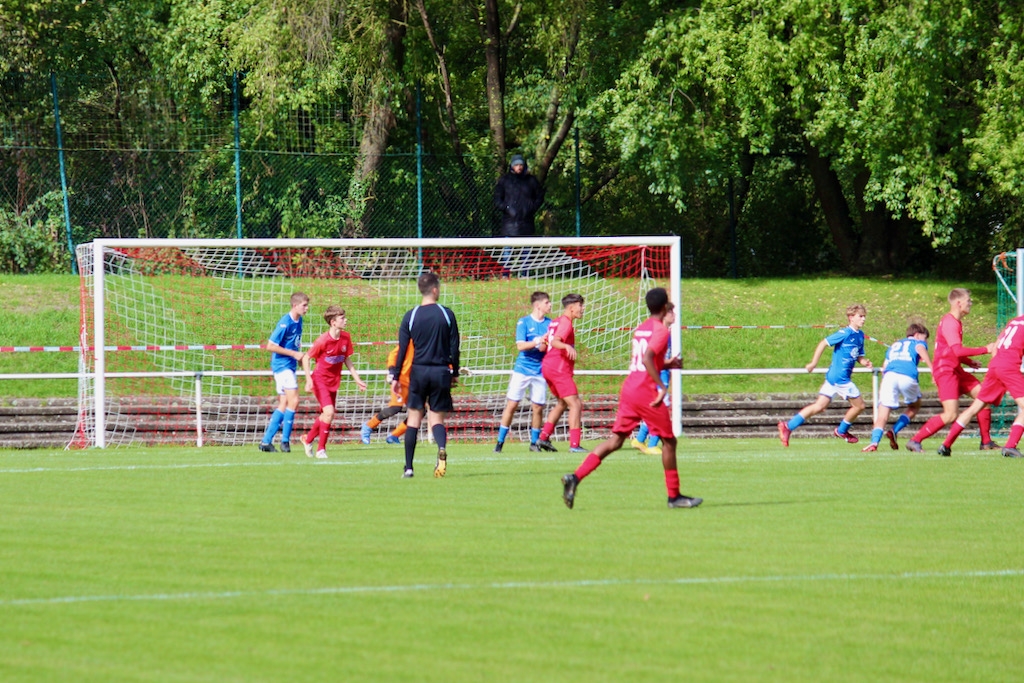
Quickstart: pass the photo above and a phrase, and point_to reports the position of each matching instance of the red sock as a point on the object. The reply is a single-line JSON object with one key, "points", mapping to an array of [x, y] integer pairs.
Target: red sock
{"points": [[325, 431], [546, 431], [954, 431], [933, 425], [313, 431], [985, 424], [574, 437], [1016, 431], [672, 483], [588, 465]]}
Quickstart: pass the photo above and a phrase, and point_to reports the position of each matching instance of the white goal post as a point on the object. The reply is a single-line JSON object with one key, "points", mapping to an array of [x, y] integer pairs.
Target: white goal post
{"points": [[159, 313]]}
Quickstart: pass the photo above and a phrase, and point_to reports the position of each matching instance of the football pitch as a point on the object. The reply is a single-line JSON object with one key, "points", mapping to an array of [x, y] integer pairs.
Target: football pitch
{"points": [[812, 563]]}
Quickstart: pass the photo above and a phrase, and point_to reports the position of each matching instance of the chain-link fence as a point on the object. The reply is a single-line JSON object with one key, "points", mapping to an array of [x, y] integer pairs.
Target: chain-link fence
{"points": [[138, 160]]}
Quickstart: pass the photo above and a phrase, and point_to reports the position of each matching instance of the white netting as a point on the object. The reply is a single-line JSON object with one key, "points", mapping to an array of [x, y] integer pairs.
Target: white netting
{"points": [[170, 313]]}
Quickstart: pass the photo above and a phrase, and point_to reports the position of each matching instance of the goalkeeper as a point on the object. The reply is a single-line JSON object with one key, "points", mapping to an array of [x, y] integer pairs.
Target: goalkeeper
{"points": [[396, 404]]}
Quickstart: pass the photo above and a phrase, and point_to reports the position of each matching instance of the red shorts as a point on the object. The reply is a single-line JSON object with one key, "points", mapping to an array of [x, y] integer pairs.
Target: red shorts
{"points": [[634, 409], [998, 382], [324, 396], [562, 385], [954, 383]]}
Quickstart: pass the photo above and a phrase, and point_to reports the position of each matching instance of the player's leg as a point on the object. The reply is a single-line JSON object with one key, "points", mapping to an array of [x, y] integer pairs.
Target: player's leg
{"points": [[984, 422], [575, 423], [820, 403], [959, 424], [538, 397], [851, 393], [544, 440], [291, 396], [592, 461], [668, 462], [878, 428], [506, 423], [281, 382], [1010, 450], [639, 442], [948, 383], [326, 418], [440, 401], [411, 434]]}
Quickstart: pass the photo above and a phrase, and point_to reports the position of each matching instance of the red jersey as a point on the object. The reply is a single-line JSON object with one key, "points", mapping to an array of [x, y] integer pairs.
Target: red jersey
{"points": [[555, 361], [949, 349], [1009, 347], [653, 335], [330, 355]]}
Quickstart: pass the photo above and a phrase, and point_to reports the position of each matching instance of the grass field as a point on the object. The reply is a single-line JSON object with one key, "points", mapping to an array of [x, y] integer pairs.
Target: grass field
{"points": [[813, 563]]}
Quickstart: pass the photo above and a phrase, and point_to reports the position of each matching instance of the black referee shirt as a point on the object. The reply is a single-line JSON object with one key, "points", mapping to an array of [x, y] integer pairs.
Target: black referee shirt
{"points": [[434, 334]]}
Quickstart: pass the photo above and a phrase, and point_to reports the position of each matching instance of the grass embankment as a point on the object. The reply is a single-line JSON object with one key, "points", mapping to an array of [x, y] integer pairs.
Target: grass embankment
{"points": [[44, 310]]}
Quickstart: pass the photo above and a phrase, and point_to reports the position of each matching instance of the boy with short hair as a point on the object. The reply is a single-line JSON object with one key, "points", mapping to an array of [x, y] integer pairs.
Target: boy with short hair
{"points": [[642, 398], [531, 331], [331, 351], [847, 350], [1004, 375], [950, 378], [900, 381], [396, 403], [645, 442], [285, 346], [557, 368]]}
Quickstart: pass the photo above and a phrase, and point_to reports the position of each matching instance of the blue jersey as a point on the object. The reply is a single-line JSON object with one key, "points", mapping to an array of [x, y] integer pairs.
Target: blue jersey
{"points": [[665, 375], [288, 335], [902, 356], [847, 346], [528, 329]]}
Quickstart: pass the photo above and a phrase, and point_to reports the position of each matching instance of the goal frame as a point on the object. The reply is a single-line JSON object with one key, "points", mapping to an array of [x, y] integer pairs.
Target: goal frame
{"points": [[100, 246]]}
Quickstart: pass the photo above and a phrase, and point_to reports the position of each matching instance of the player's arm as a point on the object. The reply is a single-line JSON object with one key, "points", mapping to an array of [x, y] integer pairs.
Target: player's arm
{"points": [[306, 366], [922, 355], [355, 375], [522, 344], [454, 342], [820, 349], [655, 374], [555, 342], [403, 346]]}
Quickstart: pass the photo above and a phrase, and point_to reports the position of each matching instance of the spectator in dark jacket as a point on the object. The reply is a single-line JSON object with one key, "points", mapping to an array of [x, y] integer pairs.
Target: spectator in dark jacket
{"points": [[518, 195]]}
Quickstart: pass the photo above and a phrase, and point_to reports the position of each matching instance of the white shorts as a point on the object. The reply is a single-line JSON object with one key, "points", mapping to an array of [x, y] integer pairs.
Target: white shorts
{"points": [[519, 383], [286, 381], [845, 390], [896, 387]]}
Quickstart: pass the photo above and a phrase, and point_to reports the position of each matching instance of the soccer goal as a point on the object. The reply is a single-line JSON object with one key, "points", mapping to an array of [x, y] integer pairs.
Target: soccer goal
{"points": [[173, 331]]}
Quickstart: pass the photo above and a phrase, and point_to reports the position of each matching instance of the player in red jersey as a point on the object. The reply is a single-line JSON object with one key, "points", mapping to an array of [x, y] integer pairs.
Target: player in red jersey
{"points": [[950, 378], [1004, 375], [557, 368], [331, 350], [642, 398]]}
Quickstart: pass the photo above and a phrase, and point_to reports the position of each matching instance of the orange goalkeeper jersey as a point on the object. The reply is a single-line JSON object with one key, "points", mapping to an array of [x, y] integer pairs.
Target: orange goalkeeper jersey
{"points": [[403, 376]]}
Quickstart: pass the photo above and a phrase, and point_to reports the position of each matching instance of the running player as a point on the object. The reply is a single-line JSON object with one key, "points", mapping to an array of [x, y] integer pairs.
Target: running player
{"points": [[433, 331], [900, 381], [847, 350], [285, 346], [642, 398], [331, 351], [1004, 375], [557, 367], [950, 378], [530, 333], [397, 402]]}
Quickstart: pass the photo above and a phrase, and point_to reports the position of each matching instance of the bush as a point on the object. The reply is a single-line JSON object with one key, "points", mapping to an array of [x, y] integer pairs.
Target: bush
{"points": [[32, 241]]}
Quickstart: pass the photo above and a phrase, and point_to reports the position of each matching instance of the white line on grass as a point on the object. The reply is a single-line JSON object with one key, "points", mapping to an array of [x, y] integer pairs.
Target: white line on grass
{"points": [[512, 585], [390, 462]]}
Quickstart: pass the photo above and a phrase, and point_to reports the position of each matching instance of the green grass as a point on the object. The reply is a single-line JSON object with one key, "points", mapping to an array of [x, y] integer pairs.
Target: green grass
{"points": [[44, 310], [813, 563]]}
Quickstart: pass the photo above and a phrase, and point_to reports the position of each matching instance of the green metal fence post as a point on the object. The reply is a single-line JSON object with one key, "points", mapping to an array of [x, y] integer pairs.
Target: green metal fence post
{"points": [[63, 172], [576, 137]]}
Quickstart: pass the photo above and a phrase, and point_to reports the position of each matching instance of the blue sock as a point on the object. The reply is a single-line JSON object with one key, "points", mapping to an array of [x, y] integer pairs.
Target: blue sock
{"points": [[275, 424], [844, 427], [641, 434], [795, 422], [876, 436], [653, 441], [286, 426], [902, 422], [534, 435], [502, 433]]}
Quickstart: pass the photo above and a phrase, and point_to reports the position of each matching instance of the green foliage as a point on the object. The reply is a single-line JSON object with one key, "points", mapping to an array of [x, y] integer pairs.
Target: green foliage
{"points": [[34, 241]]}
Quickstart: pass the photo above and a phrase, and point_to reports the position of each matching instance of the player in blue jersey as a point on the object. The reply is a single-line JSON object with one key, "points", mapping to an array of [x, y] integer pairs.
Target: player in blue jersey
{"points": [[900, 381], [847, 350], [531, 331], [285, 346]]}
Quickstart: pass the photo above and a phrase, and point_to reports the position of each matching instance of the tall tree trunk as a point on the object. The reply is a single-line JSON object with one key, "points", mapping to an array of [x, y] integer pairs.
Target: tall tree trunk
{"points": [[377, 128], [552, 140], [490, 29], [833, 205]]}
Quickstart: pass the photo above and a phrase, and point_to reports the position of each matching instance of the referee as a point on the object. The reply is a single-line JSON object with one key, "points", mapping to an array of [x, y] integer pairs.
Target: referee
{"points": [[434, 334]]}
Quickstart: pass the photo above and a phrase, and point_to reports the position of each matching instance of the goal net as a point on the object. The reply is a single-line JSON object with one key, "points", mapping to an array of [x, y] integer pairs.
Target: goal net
{"points": [[173, 332]]}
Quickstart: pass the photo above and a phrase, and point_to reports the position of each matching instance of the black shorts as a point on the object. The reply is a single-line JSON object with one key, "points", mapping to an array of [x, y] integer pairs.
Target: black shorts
{"points": [[430, 385]]}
